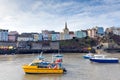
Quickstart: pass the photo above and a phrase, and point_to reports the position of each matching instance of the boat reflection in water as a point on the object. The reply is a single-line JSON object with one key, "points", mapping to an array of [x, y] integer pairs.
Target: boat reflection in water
{"points": [[43, 77], [39, 65]]}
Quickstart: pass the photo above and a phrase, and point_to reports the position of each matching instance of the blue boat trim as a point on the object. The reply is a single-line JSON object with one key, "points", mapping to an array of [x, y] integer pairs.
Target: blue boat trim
{"points": [[103, 59]]}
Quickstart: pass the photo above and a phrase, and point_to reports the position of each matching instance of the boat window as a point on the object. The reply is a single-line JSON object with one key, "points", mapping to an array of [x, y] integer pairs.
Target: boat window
{"points": [[42, 65], [99, 56], [34, 64]]}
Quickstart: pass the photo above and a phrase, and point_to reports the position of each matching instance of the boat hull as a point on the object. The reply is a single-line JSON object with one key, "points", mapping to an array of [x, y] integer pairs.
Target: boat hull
{"points": [[104, 60], [35, 69]]}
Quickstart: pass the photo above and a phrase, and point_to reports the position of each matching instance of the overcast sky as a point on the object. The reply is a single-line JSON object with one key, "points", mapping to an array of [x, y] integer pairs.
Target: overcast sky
{"points": [[37, 15]]}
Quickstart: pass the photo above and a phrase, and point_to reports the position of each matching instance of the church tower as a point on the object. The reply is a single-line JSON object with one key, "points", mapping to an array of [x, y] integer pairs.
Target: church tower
{"points": [[66, 30]]}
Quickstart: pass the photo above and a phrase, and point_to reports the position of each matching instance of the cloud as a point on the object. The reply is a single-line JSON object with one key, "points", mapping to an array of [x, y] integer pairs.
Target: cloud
{"points": [[37, 15]]}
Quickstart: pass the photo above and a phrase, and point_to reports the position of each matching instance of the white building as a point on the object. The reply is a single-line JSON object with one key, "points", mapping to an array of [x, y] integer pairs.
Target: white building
{"points": [[116, 31]]}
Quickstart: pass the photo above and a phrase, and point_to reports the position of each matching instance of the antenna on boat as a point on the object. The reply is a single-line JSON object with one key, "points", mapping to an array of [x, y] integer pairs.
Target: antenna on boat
{"points": [[41, 53]]}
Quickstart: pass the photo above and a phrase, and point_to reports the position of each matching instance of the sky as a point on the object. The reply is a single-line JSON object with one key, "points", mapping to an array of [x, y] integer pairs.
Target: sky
{"points": [[38, 15]]}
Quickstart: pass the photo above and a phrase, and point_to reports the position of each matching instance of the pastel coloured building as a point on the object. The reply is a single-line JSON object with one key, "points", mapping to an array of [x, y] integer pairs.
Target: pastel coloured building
{"points": [[12, 36], [3, 35]]}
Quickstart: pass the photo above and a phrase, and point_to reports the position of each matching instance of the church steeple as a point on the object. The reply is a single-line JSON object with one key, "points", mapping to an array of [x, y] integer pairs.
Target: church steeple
{"points": [[66, 30], [66, 25]]}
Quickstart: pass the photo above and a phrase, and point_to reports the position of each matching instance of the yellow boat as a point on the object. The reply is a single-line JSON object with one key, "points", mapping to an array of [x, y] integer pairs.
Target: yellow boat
{"points": [[40, 66]]}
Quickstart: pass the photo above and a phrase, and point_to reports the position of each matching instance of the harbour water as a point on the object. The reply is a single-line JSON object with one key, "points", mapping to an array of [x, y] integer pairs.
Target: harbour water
{"points": [[77, 68]]}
